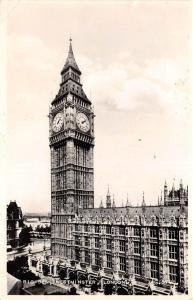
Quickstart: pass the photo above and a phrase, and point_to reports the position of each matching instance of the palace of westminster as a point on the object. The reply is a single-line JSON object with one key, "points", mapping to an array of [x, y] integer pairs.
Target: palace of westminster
{"points": [[147, 245]]}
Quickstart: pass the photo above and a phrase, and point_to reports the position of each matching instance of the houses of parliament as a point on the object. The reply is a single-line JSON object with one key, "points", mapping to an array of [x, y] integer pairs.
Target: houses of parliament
{"points": [[147, 245]]}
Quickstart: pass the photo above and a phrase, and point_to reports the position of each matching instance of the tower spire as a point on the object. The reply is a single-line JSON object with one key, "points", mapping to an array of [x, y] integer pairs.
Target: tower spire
{"points": [[143, 204], [127, 203], [143, 201], [108, 193], [161, 199], [70, 61], [181, 184], [101, 204], [108, 199], [70, 51], [165, 193]]}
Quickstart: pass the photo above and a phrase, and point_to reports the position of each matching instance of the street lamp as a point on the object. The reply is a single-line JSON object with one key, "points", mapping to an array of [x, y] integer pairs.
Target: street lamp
{"points": [[44, 247]]}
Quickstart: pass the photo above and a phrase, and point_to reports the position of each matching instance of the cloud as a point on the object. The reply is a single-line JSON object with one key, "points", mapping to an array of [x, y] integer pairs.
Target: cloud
{"points": [[155, 87], [30, 51]]}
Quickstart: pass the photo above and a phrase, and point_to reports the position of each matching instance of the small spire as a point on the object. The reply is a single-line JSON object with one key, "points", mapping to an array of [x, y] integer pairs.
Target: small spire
{"points": [[143, 201], [108, 199], [161, 199], [108, 193], [181, 184], [158, 201], [113, 205], [101, 204], [127, 203], [70, 51], [165, 185]]}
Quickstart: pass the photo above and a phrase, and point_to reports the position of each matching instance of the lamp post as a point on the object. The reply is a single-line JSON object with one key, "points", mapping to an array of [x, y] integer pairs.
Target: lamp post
{"points": [[44, 247]]}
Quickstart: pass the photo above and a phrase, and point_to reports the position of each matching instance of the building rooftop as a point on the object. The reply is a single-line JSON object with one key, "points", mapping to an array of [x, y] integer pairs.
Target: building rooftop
{"points": [[148, 211]]}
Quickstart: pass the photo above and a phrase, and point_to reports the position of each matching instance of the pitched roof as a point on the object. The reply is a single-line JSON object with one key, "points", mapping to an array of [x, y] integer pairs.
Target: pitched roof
{"points": [[150, 211]]}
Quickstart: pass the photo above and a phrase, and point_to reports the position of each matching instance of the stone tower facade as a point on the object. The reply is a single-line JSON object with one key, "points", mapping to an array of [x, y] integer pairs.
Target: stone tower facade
{"points": [[71, 137]]}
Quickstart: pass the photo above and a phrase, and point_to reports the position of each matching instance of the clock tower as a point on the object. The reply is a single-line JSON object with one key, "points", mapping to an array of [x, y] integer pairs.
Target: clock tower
{"points": [[71, 138]]}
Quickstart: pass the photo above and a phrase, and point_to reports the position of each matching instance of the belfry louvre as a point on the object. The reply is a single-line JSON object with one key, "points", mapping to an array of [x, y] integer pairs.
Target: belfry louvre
{"points": [[146, 244]]}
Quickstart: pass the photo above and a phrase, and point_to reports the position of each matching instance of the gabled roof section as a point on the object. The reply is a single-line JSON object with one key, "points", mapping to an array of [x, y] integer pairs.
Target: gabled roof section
{"points": [[150, 211], [70, 61]]}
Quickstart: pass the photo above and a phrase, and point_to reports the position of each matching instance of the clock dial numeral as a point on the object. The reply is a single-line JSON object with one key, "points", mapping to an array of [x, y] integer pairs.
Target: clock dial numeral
{"points": [[58, 122], [82, 122]]}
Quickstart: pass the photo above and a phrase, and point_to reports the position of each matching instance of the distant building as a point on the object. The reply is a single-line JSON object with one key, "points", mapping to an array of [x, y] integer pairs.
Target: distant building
{"points": [[33, 221], [14, 224]]}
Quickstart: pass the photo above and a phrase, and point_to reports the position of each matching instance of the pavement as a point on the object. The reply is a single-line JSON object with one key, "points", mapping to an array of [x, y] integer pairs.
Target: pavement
{"points": [[37, 245]]}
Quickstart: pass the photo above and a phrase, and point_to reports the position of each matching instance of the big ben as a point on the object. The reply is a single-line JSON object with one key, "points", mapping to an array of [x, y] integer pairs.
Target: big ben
{"points": [[71, 138]]}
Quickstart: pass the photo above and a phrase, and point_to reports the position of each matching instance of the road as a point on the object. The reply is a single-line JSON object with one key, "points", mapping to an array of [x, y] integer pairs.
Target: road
{"points": [[37, 245]]}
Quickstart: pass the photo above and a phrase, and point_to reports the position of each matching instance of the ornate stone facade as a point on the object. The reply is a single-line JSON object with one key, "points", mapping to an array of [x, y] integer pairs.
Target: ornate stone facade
{"points": [[141, 243]]}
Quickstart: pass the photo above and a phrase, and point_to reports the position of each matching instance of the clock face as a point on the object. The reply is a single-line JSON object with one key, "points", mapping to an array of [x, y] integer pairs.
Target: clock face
{"points": [[82, 122], [58, 122]]}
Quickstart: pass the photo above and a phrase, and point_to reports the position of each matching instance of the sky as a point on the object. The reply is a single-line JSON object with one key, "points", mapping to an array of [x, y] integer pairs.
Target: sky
{"points": [[135, 59]]}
